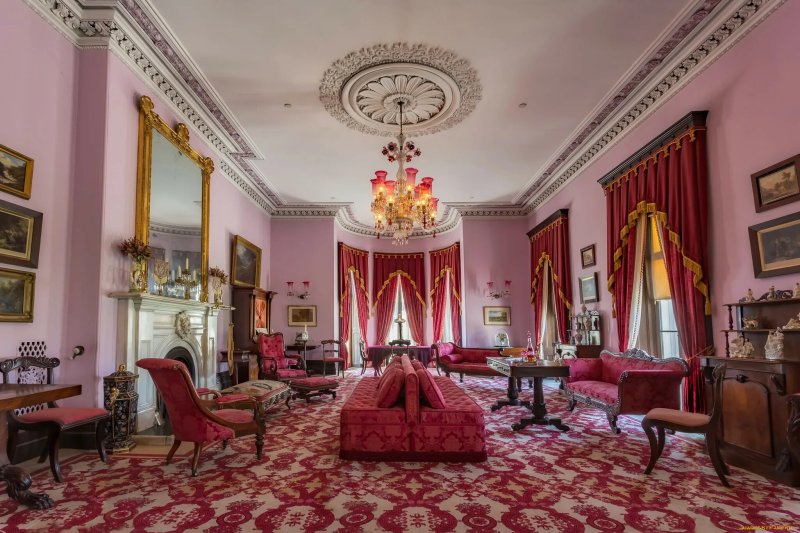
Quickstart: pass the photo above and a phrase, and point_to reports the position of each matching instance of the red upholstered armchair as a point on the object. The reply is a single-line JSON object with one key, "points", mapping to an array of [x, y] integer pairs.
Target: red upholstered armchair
{"points": [[191, 417], [457, 359], [628, 383], [275, 363]]}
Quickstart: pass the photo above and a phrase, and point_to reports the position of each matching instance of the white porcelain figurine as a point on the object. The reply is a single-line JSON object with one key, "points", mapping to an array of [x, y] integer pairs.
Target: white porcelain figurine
{"points": [[741, 348], [774, 347], [749, 296], [794, 323], [796, 293]]}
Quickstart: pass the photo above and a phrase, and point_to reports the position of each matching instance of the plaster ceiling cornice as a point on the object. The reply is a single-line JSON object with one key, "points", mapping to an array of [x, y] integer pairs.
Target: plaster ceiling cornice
{"points": [[133, 30]]}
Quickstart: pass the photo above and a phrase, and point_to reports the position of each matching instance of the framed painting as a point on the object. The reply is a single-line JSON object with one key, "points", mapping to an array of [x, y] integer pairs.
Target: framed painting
{"points": [[775, 246], [16, 172], [496, 316], [245, 263], [587, 256], [16, 295], [588, 285], [20, 235], [777, 185], [302, 315]]}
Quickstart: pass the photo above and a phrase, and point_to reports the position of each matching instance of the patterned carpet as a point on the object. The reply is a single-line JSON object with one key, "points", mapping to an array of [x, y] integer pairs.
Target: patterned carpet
{"points": [[537, 480]]}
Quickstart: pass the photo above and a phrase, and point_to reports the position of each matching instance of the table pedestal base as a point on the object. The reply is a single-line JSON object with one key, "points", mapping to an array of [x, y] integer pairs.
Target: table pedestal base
{"points": [[18, 483], [546, 421], [537, 407]]}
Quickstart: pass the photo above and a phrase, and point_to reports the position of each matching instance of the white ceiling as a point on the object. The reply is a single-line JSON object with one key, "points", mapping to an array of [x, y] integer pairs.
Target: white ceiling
{"points": [[561, 57]]}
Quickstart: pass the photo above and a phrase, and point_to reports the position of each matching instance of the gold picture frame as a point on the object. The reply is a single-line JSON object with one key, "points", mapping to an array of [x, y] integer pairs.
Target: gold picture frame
{"points": [[775, 246], [20, 235], [16, 295], [302, 315], [245, 263], [16, 172], [496, 316]]}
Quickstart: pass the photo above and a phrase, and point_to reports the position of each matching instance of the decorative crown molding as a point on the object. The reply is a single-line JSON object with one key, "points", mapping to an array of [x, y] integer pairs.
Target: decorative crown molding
{"points": [[346, 81], [347, 220], [174, 229]]}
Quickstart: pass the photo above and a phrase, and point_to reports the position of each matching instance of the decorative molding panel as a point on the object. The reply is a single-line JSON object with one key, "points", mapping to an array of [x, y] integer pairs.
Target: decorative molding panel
{"points": [[356, 87]]}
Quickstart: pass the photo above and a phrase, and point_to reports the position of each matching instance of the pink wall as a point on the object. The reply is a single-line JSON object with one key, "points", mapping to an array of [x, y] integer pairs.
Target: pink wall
{"points": [[304, 250], [39, 117], [751, 95], [496, 250]]}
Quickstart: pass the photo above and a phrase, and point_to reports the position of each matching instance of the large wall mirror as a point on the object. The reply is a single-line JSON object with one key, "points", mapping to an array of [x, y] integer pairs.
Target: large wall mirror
{"points": [[172, 201]]}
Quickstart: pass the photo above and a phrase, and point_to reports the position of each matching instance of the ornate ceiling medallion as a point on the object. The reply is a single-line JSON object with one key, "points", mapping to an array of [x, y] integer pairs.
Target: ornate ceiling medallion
{"points": [[364, 89]]}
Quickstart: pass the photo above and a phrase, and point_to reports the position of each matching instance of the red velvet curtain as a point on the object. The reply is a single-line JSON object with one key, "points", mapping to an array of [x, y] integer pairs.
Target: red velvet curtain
{"points": [[410, 270], [671, 185], [550, 245], [446, 265], [357, 262]]}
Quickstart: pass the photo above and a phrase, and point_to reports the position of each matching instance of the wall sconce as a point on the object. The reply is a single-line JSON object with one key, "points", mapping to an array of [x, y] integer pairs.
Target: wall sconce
{"points": [[495, 294], [302, 295]]}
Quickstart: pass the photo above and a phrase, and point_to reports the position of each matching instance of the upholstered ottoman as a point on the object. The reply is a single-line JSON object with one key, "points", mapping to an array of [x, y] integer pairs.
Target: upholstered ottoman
{"points": [[266, 392], [307, 388]]}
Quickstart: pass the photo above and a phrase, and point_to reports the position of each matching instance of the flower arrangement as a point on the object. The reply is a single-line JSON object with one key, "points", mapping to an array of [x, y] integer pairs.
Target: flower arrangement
{"points": [[217, 272], [135, 248]]}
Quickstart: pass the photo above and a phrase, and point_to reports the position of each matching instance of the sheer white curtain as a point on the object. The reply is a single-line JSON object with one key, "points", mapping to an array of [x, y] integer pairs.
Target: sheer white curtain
{"points": [[447, 329], [355, 331], [548, 321]]}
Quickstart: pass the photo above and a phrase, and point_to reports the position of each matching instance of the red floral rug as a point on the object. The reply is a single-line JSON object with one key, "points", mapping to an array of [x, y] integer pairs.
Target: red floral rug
{"points": [[537, 480]]}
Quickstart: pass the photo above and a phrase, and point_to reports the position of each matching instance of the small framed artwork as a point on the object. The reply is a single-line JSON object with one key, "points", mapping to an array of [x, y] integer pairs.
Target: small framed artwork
{"points": [[20, 235], [588, 285], [302, 315], [587, 256], [496, 316], [16, 172], [775, 246], [245, 263], [777, 185], [16, 295]]}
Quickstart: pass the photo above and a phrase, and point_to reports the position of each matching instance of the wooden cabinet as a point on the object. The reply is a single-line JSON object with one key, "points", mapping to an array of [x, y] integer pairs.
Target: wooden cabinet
{"points": [[755, 392], [252, 310], [585, 339]]}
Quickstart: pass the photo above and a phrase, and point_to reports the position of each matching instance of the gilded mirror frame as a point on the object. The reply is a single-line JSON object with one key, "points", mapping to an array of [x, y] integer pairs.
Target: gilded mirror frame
{"points": [[149, 120]]}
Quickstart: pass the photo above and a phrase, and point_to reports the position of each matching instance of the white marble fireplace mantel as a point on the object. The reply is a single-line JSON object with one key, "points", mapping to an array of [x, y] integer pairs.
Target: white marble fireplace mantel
{"points": [[151, 326]]}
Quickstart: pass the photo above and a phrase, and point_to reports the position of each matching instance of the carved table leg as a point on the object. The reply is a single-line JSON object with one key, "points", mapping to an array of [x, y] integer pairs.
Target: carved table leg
{"points": [[539, 410], [513, 396], [18, 483]]}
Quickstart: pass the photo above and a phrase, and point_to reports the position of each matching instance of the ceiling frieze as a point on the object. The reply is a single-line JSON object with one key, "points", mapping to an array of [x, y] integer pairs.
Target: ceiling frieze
{"points": [[133, 31], [347, 220]]}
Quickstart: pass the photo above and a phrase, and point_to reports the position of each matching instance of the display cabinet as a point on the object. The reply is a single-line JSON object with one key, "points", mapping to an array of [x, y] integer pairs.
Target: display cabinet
{"points": [[585, 334], [755, 411]]}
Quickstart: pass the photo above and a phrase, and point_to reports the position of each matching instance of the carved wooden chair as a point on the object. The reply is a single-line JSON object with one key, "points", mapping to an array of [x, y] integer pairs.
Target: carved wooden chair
{"points": [[671, 419], [48, 418], [192, 418], [275, 363], [362, 348], [331, 354]]}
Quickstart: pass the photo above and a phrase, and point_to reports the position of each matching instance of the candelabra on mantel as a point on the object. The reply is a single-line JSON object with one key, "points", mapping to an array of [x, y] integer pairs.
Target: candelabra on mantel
{"points": [[187, 279], [497, 294], [302, 295]]}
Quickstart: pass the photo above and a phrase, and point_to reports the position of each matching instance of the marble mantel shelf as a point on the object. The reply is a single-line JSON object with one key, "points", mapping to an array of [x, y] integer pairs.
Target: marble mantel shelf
{"points": [[152, 300]]}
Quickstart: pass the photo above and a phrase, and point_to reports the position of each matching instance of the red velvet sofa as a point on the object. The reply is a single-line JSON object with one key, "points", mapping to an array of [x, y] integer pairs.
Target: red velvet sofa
{"points": [[452, 358], [410, 430], [628, 383]]}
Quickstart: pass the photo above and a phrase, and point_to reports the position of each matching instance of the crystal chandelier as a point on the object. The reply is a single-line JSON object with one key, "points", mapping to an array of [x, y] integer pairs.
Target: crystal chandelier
{"points": [[399, 204]]}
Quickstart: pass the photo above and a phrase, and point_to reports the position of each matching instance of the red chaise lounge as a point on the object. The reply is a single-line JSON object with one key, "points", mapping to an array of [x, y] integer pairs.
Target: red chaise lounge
{"points": [[452, 358], [628, 383], [411, 430]]}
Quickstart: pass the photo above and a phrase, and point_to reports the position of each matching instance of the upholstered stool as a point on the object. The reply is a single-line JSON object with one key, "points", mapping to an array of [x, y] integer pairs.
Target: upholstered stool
{"points": [[307, 388], [266, 392]]}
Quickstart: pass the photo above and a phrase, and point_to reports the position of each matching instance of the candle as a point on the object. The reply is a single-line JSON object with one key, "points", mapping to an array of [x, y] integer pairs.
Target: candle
{"points": [[179, 271], [194, 275], [187, 263]]}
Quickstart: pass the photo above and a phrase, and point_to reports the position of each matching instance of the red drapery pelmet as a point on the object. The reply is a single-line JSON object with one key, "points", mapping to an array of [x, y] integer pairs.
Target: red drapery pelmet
{"points": [[550, 247], [409, 271], [446, 267], [352, 260], [670, 185]]}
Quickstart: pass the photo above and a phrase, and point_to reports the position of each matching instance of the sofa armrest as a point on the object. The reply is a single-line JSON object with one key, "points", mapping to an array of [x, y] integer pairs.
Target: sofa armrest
{"points": [[584, 369], [642, 390], [451, 358]]}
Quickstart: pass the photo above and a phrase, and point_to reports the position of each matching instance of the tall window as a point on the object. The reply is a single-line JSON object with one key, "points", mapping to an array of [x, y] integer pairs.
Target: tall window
{"points": [[658, 329], [355, 331], [447, 329], [400, 310], [548, 321]]}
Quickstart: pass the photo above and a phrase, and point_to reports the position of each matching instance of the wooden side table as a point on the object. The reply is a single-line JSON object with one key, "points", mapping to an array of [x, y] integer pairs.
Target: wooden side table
{"points": [[245, 364]]}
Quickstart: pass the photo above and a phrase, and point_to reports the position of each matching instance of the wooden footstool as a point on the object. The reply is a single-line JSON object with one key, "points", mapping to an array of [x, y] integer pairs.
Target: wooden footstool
{"points": [[266, 392], [309, 387]]}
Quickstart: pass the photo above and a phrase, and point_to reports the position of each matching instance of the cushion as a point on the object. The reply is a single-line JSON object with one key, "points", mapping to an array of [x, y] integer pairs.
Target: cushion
{"points": [[674, 416], [600, 390], [389, 391], [237, 416], [614, 366], [63, 415], [288, 373], [314, 382], [430, 391], [416, 364], [230, 398]]}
